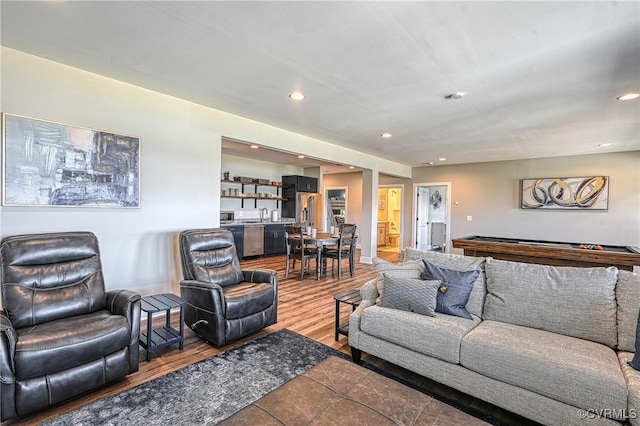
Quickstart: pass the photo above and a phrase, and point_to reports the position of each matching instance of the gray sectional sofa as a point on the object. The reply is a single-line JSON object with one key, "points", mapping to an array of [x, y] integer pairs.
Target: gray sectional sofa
{"points": [[548, 343]]}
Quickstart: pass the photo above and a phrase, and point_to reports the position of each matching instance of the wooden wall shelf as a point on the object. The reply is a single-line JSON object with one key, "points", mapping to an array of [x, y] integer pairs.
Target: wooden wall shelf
{"points": [[277, 198], [275, 185]]}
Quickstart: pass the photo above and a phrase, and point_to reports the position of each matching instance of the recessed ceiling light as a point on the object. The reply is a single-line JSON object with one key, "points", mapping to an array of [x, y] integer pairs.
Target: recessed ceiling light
{"points": [[628, 96], [442, 159], [429, 163], [604, 144], [386, 135], [300, 156], [455, 95], [296, 96], [254, 147], [351, 167]]}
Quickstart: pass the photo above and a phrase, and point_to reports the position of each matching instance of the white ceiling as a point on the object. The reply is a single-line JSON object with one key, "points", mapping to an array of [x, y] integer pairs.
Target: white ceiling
{"points": [[540, 78]]}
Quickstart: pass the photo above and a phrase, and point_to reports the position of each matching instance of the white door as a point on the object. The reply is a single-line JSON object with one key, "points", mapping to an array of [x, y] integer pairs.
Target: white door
{"points": [[432, 216], [423, 240]]}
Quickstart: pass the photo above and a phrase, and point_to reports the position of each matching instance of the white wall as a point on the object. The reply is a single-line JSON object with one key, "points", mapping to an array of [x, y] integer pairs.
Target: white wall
{"points": [[180, 164], [179, 168], [489, 193]]}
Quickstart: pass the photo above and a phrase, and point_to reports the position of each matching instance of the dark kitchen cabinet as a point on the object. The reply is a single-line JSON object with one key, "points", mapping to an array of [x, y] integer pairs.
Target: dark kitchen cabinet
{"points": [[238, 237], [274, 239], [294, 187], [300, 183]]}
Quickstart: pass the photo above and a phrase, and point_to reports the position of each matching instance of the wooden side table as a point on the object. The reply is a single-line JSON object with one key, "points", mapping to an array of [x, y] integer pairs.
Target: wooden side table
{"points": [[351, 297], [157, 338]]}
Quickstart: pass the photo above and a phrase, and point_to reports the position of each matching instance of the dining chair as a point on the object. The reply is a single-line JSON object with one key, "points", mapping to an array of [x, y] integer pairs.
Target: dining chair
{"points": [[298, 250], [345, 249]]}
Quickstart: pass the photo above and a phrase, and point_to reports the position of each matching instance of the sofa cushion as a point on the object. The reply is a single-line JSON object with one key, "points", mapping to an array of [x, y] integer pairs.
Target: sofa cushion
{"points": [[69, 342], [411, 269], [246, 298], [455, 288], [578, 302], [457, 262], [628, 299], [410, 294], [438, 336], [577, 372]]}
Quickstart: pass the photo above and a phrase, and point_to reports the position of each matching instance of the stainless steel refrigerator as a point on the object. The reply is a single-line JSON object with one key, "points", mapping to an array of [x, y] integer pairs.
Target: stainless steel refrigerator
{"points": [[306, 211], [301, 206], [302, 200]]}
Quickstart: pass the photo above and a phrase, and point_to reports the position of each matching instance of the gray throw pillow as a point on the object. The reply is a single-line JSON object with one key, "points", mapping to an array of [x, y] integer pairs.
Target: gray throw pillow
{"points": [[454, 290], [410, 294], [411, 269]]}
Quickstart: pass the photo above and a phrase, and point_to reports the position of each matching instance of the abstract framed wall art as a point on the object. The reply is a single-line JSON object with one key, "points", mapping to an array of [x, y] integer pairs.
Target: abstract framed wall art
{"points": [[54, 164], [567, 193]]}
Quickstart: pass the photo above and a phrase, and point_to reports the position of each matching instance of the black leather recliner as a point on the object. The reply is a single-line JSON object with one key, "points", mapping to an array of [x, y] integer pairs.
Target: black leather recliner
{"points": [[61, 333], [224, 303]]}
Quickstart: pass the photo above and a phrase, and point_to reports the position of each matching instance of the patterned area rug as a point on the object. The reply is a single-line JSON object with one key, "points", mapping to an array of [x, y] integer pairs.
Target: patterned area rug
{"points": [[209, 391]]}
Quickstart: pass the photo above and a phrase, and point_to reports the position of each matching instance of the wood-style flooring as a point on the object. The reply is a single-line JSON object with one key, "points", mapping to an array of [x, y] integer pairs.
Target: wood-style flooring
{"points": [[305, 306]]}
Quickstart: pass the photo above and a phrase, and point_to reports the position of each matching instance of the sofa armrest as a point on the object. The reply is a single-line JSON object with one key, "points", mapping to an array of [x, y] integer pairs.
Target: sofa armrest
{"points": [[202, 286], [632, 378], [203, 295], [8, 340], [122, 302], [260, 276], [127, 304], [369, 293], [205, 310]]}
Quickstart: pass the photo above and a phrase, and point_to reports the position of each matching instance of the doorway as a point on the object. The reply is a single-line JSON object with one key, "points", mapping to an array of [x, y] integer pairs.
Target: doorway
{"points": [[390, 218], [432, 216], [336, 206]]}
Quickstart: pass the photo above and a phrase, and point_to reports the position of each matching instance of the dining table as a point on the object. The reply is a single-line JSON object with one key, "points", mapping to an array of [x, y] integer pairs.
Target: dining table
{"points": [[321, 240]]}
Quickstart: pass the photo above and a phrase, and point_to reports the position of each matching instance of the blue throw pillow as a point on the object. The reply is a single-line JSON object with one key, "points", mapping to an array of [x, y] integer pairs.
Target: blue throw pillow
{"points": [[455, 289], [635, 362]]}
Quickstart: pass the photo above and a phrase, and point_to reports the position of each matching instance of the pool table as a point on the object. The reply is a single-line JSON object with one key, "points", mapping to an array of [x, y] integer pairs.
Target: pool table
{"points": [[549, 252]]}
